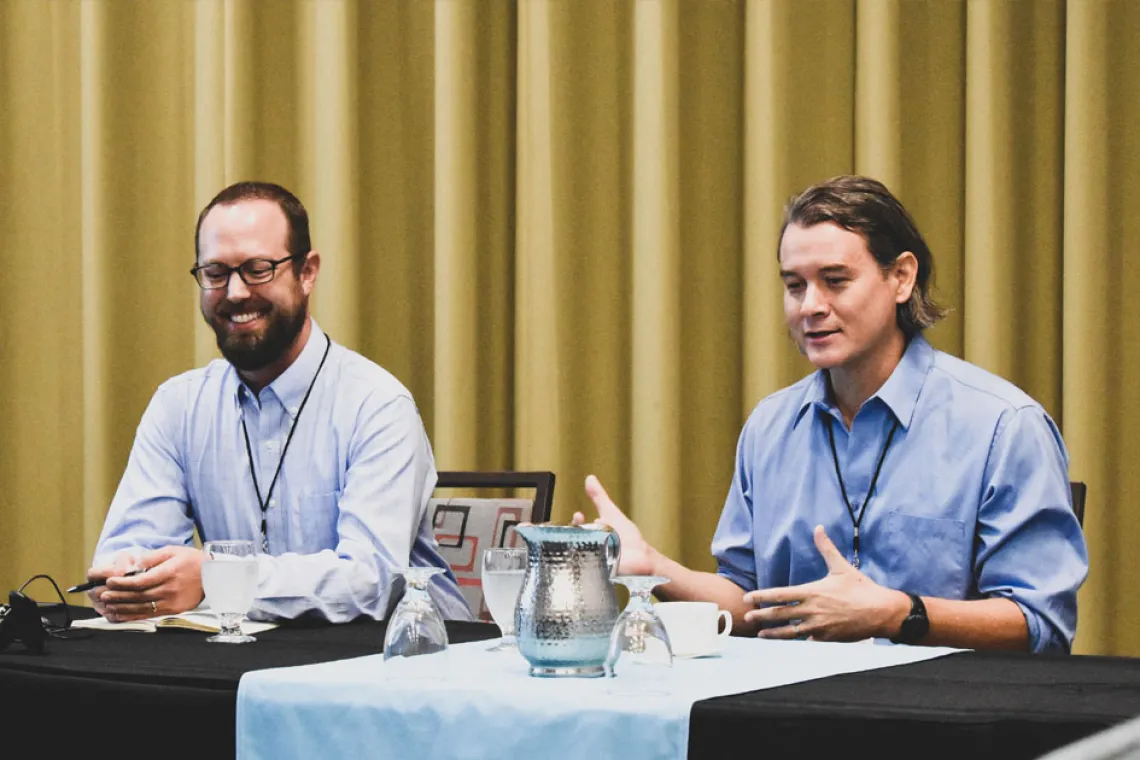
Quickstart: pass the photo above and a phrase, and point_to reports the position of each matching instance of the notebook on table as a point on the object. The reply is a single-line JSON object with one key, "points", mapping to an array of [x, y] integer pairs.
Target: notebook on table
{"points": [[194, 620]]}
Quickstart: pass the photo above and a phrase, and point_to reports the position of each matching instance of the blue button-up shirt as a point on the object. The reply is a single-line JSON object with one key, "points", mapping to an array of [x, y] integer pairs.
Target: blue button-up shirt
{"points": [[349, 508], [973, 500]]}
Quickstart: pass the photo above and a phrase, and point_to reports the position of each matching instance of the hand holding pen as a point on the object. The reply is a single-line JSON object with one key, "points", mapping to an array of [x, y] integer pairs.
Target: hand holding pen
{"points": [[102, 581]]}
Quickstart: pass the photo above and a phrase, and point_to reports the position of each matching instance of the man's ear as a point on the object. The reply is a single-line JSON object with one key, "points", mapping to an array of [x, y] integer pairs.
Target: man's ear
{"points": [[905, 274], [309, 271]]}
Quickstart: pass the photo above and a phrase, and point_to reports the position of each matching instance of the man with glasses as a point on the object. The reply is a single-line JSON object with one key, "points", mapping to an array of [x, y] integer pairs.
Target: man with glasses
{"points": [[292, 441]]}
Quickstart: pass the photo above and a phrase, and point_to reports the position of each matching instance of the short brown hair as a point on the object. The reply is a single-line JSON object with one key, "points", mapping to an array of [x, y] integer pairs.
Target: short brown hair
{"points": [[297, 243], [866, 207]]}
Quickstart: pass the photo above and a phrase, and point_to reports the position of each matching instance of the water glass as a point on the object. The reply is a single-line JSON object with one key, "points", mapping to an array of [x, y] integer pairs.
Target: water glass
{"points": [[229, 579], [503, 573]]}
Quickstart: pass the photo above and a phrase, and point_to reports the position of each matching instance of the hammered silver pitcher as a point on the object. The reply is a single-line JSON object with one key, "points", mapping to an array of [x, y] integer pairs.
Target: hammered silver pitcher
{"points": [[567, 607]]}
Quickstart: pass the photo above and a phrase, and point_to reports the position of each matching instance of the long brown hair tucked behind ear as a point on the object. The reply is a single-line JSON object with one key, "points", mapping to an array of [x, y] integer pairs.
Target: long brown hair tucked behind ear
{"points": [[864, 206]]}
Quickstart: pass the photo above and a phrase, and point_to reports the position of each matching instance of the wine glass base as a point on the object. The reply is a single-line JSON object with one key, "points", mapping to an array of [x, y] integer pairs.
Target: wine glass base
{"points": [[221, 638], [578, 671]]}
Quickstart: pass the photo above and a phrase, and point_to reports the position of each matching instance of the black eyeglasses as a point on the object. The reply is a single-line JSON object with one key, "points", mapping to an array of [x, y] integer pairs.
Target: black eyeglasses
{"points": [[252, 272]]}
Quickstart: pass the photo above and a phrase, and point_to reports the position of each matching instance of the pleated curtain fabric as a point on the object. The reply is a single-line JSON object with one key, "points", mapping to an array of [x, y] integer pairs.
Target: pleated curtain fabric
{"points": [[556, 222]]}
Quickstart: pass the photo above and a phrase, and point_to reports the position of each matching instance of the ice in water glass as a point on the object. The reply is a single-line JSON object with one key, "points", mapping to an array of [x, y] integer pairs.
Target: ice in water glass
{"points": [[639, 636], [416, 626], [503, 573], [229, 579]]}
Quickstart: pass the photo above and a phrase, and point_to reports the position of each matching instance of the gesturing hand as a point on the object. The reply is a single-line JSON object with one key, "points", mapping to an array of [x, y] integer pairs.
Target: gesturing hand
{"points": [[637, 556], [172, 583], [845, 605]]}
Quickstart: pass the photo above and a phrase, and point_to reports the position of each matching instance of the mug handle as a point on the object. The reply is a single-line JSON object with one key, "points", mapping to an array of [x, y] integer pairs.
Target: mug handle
{"points": [[726, 616]]}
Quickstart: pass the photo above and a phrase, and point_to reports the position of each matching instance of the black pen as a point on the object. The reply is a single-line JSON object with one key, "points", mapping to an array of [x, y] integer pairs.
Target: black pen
{"points": [[92, 584]]}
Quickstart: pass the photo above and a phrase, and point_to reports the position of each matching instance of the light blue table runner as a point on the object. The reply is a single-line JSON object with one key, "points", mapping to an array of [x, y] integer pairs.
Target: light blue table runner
{"points": [[471, 703]]}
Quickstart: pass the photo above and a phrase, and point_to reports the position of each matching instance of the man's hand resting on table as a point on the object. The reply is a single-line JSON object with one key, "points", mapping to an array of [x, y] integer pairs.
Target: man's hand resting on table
{"points": [[844, 605], [171, 583]]}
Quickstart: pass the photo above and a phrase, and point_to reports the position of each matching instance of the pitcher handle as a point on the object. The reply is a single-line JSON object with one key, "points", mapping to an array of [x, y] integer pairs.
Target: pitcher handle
{"points": [[613, 552]]}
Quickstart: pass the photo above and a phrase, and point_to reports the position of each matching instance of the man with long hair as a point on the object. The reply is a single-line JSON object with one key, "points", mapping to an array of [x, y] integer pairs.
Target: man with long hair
{"points": [[897, 492]]}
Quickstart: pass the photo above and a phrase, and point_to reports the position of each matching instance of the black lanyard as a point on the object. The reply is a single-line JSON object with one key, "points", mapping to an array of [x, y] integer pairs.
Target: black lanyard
{"points": [[856, 521], [264, 503]]}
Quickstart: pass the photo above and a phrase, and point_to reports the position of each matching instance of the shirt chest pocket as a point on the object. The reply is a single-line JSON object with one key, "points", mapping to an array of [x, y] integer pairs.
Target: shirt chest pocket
{"points": [[314, 522], [927, 555]]}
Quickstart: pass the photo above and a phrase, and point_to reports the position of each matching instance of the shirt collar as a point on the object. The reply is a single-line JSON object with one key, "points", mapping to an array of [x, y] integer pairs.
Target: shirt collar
{"points": [[900, 392], [815, 395], [291, 385]]}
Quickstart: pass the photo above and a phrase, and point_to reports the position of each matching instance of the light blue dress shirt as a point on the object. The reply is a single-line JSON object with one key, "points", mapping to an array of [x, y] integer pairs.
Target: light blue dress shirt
{"points": [[973, 500], [349, 508]]}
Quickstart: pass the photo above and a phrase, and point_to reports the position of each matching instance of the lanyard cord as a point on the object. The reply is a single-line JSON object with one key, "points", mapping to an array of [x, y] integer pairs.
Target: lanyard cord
{"points": [[264, 503], [857, 521]]}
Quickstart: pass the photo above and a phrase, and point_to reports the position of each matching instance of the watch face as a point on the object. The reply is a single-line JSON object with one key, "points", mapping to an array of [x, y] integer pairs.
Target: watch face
{"points": [[915, 626]]}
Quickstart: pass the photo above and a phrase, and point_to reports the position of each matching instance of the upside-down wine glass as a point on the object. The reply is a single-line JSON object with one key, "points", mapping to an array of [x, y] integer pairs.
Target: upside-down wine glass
{"points": [[639, 636], [416, 626]]}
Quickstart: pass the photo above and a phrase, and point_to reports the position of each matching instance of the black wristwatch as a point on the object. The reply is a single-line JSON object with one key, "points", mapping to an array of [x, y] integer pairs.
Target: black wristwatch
{"points": [[915, 625]]}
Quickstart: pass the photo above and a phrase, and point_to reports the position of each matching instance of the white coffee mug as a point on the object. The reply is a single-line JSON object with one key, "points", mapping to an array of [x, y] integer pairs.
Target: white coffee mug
{"points": [[692, 627]]}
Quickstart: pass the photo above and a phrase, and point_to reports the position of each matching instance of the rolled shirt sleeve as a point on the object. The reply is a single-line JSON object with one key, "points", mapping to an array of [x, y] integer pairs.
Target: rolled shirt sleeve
{"points": [[732, 544], [1029, 544]]}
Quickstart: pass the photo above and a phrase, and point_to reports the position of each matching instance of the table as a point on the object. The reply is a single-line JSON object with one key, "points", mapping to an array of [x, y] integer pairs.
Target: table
{"points": [[173, 693]]}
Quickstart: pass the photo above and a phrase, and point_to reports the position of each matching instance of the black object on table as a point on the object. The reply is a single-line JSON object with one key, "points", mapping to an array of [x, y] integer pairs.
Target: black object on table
{"points": [[172, 693]]}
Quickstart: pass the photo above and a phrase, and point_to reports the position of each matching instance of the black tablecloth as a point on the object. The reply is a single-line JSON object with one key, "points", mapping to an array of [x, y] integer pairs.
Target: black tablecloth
{"points": [[173, 692], [965, 705]]}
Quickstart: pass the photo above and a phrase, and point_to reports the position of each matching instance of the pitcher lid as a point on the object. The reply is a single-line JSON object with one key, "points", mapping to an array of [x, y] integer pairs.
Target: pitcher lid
{"points": [[563, 532]]}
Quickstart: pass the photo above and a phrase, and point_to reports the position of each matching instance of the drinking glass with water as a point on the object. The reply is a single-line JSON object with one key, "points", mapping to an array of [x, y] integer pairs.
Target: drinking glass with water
{"points": [[503, 573], [229, 578]]}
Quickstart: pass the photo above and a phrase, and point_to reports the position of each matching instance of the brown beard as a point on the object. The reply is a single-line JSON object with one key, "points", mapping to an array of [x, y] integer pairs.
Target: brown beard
{"points": [[250, 353]]}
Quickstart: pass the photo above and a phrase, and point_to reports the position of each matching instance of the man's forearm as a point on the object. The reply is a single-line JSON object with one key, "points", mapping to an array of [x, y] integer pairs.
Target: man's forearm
{"points": [[995, 623], [336, 588], [687, 585]]}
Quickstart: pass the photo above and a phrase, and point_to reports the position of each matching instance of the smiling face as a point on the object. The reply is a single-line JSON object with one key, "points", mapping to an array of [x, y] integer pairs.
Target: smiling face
{"points": [[257, 326], [839, 304]]}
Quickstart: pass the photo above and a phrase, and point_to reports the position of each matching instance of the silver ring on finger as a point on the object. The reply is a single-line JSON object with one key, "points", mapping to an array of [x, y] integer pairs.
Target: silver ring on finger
{"points": [[796, 629], [153, 606]]}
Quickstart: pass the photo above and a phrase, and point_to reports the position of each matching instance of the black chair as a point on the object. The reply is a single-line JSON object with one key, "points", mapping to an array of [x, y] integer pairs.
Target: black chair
{"points": [[465, 526], [1078, 490]]}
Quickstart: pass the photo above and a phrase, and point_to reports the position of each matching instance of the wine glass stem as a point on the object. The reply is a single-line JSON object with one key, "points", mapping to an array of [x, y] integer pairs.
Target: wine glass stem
{"points": [[231, 624]]}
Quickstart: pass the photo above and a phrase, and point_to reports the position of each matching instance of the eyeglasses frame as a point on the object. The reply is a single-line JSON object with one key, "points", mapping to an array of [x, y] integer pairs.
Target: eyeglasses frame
{"points": [[241, 273]]}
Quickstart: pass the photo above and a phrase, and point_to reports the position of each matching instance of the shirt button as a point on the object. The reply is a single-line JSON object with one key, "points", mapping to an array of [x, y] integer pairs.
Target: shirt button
{"points": [[273, 502], [271, 445]]}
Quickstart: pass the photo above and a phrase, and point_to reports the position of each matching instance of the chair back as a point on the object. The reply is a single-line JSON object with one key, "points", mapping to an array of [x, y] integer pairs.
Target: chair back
{"points": [[1079, 490], [465, 527]]}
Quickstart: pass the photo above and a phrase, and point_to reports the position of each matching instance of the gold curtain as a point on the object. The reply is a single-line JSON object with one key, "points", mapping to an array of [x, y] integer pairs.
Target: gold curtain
{"points": [[556, 222]]}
